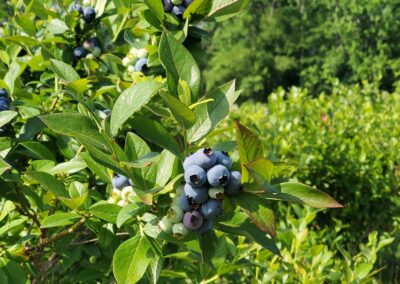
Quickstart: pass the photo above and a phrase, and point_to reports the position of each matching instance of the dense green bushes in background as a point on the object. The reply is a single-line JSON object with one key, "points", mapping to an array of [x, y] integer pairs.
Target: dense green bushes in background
{"points": [[285, 43], [346, 143]]}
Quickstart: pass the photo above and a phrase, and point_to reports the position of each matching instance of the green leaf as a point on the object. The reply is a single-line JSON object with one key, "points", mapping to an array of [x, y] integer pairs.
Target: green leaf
{"points": [[249, 147], [25, 22], [6, 116], [130, 101], [261, 170], [199, 7], [156, 133], [64, 71], [130, 211], [12, 75], [11, 225], [208, 243], [78, 126], [258, 211], [157, 8], [70, 167], [60, 219], [13, 272], [96, 168], [184, 93], [38, 150], [209, 115], [57, 26], [183, 115], [303, 194], [362, 270], [7, 207], [180, 64], [4, 166], [165, 167], [49, 183], [105, 211], [223, 9], [131, 259]]}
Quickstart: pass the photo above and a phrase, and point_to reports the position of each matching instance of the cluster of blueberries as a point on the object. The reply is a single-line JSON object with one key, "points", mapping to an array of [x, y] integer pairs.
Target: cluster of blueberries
{"points": [[176, 7], [208, 177], [122, 193], [4, 101], [91, 45], [136, 60]]}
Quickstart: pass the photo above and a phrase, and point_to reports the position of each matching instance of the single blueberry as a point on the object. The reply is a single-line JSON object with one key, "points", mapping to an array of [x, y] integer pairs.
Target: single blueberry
{"points": [[178, 10], [187, 2], [89, 14], [179, 231], [77, 7], [193, 220], [196, 194], [90, 44], [216, 193], [167, 5], [141, 65], [212, 208], [3, 93], [79, 52], [4, 106], [204, 157], [165, 225], [195, 176], [175, 214], [205, 227], [184, 203], [218, 176], [120, 181], [223, 159], [233, 186]]}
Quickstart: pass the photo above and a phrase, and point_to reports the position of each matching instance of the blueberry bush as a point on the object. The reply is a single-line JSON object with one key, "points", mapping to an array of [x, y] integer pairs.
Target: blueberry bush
{"points": [[106, 169]]}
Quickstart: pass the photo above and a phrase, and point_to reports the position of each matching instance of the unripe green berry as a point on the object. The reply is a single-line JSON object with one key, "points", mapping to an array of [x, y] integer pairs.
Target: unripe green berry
{"points": [[177, 2], [179, 231], [165, 225], [96, 51], [175, 214], [93, 259], [216, 193]]}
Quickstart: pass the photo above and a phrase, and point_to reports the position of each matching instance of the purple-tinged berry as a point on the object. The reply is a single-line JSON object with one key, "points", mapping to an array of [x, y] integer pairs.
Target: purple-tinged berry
{"points": [[205, 227], [165, 225], [89, 14], [178, 10], [120, 181], [212, 208], [179, 231], [79, 52], [204, 158], [223, 159], [141, 65], [193, 220], [167, 5], [3, 93], [195, 176], [233, 186], [216, 193], [175, 214], [196, 194], [218, 176]]}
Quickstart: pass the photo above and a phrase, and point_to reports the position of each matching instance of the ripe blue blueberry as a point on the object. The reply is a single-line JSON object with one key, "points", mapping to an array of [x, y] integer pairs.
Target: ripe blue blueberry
{"points": [[205, 227], [3, 93], [79, 52], [204, 157], [178, 10], [195, 176], [77, 7], [223, 159], [233, 186], [167, 5], [120, 181], [212, 208], [141, 65], [4, 103], [196, 194], [184, 203], [218, 176], [187, 2], [90, 44], [89, 14], [193, 220]]}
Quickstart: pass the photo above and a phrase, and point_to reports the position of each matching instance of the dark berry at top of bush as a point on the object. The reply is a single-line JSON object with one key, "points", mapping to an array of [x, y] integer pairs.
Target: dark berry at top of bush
{"points": [[205, 158], [77, 7], [195, 176], [89, 14], [218, 176], [167, 5], [4, 104], [90, 44], [79, 52], [3, 93], [141, 65], [178, 10], [120, 181]]}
